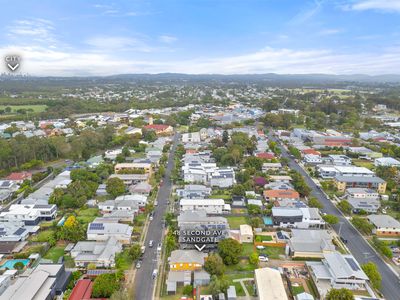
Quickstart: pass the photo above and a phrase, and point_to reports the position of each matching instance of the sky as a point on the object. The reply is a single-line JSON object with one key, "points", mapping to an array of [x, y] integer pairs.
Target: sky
{"points": [[82, 38]]}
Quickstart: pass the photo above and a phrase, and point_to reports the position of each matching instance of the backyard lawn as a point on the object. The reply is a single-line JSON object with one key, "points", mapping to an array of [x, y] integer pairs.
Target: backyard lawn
{"points": [[55, 253], [273, 252], [248, 249], [86, 216], [263, 238], [42, 236], [235, 222], [297, 290]]}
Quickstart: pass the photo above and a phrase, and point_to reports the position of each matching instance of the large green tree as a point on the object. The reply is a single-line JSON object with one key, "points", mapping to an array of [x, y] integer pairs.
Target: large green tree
{"points": [[341, 294], [230, 251], [214, 265], [371, 270], [115, 187]]}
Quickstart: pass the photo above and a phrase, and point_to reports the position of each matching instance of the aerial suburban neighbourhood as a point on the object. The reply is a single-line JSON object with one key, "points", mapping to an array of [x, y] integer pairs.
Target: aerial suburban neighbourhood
{"points": [[200, 150]]}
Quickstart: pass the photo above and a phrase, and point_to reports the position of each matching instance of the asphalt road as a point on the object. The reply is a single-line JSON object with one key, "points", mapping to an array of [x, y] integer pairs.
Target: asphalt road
{"points": [[144, 283], [360, 249]]}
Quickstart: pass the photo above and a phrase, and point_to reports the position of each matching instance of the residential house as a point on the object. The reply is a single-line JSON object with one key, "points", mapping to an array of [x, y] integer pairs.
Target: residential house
{"points": [[191, 137], [160, 129], [194, 191], [273, 195], [271, 167], [362, 193], [142, 188], [384, 225], [103, 231], [246, 234], [30, 214], [312, 159], [222, 178], [310, 243], [145, 168], [303, 217], [130, 179], [101, 253], [328, 172], [386, 162], [338, 160], [337, 271], [19, 177], [199, 220], [211, 206], [46, 281], [186, 260]]}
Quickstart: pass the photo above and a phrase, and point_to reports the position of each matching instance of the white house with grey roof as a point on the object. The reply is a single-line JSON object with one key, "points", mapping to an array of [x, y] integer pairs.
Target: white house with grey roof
{"points": [[211, 206], [310, 243], [103, 231], [384, 225], [101, 253], [337, 271]]}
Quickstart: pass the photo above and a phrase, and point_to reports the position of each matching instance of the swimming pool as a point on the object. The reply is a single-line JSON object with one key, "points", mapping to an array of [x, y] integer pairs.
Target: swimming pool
{"points": [[9, 264], [268, 221]]}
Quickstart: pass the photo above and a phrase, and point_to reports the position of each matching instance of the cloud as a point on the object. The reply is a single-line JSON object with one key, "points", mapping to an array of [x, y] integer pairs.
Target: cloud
{"points": [[379, 5], [331, 31], [44, 61], [39, 30], [168, 39], [114, 44], [307, 13]]}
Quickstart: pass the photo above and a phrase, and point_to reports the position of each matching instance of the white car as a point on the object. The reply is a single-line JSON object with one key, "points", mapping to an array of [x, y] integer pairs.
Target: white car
{"points": [[260, 247], [155, 272], [263, 258]]}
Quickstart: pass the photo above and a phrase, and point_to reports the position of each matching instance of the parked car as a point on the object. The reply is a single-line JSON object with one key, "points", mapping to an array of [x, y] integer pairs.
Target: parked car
{"points": [[138, 264], [159, 247], [260, 247], [143, 249], [263, 257], [343, 240], [151, 243]]}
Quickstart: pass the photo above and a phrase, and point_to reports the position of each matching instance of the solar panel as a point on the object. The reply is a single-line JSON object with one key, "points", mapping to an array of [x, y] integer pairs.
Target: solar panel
{"points": [[96, 226], [352, 264], [19, 231]]}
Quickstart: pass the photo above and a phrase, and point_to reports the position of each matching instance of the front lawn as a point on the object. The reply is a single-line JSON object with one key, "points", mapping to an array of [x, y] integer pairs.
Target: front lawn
{"points": [[123, 261], [243, 265], [220, 196], [248, 249], [235, 222], [55, 253], [272, 252]]}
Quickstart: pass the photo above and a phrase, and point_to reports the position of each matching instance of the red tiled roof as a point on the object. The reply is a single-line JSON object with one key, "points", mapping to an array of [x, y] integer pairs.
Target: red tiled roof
{"points": [[19, 176], [157, 127], [266, 155], [311, 151], [82, 290], [281, 194]]}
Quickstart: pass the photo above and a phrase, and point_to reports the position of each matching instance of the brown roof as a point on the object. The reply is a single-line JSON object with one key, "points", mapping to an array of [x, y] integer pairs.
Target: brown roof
{"points": [[281, 194]]}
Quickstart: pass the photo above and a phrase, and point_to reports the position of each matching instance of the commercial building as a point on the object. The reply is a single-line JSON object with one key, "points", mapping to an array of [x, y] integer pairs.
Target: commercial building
{"points": [[371, 182]]}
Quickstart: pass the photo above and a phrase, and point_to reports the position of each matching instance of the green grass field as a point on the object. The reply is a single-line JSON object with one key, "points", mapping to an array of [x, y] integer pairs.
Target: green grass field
{"points": [[55, 253], [35, 108], [42, 236], [273, 252], [235, 222]]}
